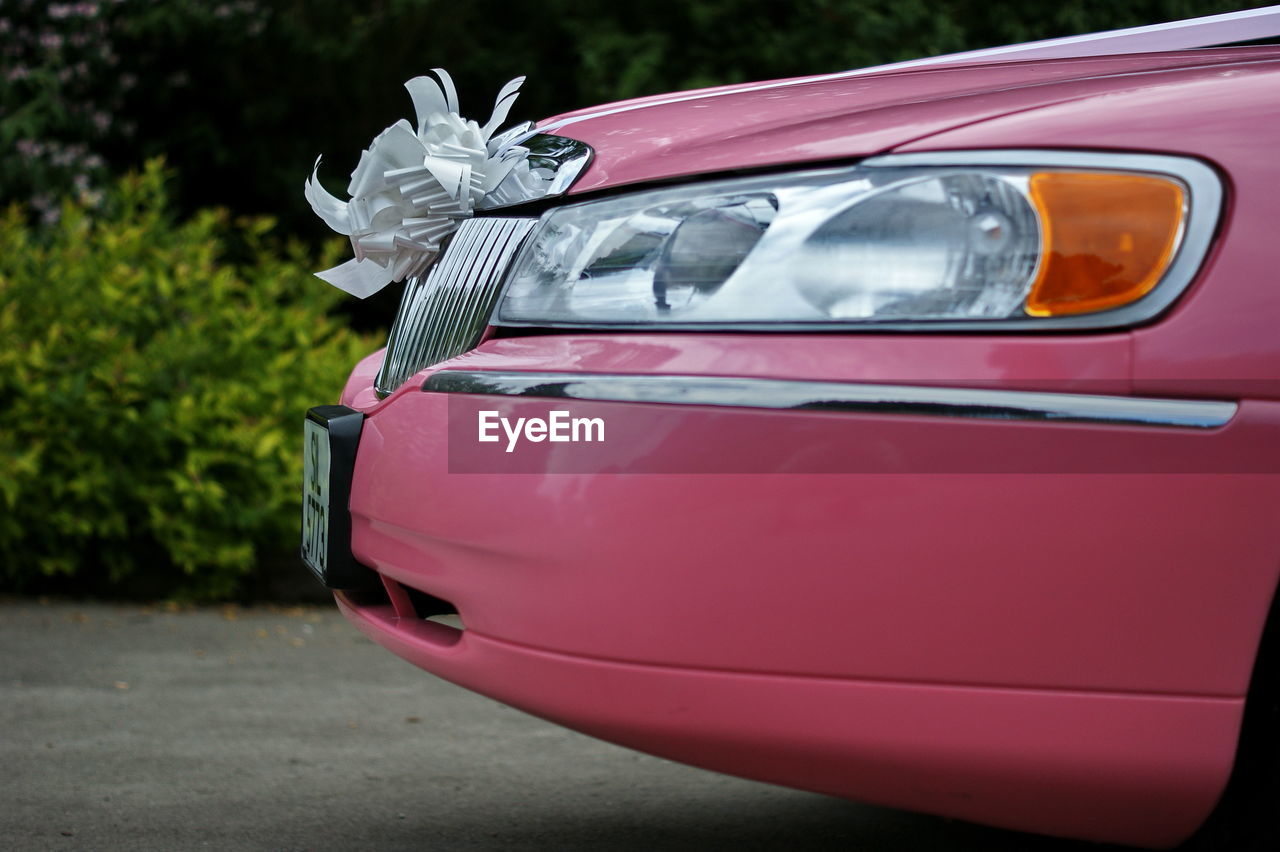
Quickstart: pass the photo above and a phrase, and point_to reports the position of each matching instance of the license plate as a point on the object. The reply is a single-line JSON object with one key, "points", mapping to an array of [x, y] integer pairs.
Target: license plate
{"points": [[330, 436], [315, 497]]}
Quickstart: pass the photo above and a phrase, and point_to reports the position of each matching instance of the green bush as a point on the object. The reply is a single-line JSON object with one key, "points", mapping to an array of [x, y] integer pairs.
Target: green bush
{"points": [[153, 377]]}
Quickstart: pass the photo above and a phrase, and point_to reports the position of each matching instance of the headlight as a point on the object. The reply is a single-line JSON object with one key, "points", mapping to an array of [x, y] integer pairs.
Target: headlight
{"points": [[1019, 239]]}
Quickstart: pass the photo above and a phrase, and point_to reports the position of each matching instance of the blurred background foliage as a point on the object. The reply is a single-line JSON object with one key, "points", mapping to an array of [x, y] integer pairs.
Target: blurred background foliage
{"points": [[241, 96], [160, 338], [152, 386]]}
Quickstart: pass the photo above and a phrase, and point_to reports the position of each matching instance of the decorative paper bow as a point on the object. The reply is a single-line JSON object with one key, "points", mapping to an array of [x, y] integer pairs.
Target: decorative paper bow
{"points": [[410, 189]]}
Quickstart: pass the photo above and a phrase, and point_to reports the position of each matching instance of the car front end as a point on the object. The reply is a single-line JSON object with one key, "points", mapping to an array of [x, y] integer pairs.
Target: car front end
{"points": [[908, 437]]}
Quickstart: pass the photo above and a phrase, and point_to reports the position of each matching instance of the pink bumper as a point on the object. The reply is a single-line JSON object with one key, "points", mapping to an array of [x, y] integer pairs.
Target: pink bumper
{"points": [[1057, 652], [1141, 769]]}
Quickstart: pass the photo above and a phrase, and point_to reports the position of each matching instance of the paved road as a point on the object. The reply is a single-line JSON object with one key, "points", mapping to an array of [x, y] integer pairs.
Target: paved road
{"points": [[128, 727]]}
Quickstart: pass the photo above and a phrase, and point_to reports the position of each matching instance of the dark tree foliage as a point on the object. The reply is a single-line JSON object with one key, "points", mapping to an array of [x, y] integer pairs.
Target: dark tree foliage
{"points": [[241, 96]]}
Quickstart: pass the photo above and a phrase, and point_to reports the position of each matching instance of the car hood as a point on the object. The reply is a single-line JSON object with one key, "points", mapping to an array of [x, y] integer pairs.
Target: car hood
{"points": [[851, 115]]}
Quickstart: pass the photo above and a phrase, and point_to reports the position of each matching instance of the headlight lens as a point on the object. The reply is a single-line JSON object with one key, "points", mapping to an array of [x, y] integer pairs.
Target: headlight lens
{"points": [[958, 245], [879, 245], [641, 258]]}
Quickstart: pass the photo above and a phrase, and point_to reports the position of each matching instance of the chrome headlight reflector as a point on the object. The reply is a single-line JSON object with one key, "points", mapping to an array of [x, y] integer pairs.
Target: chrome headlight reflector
{"points": [[1028, 239], [555, 162]]}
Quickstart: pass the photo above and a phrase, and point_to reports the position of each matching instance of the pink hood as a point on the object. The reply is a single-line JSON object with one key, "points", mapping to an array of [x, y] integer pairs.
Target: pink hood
{"points": [[856, 114]]}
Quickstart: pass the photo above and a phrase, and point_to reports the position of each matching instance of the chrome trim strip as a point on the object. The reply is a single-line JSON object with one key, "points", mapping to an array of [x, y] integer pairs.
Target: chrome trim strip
{"points": [[839, 396]]}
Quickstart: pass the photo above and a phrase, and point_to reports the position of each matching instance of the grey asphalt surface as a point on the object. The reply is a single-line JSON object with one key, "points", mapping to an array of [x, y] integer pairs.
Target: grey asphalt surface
{"points": [[152, 728]]}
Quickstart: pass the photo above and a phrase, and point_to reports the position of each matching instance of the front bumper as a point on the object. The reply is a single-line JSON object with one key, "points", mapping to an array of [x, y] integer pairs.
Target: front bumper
{"points": [[1056, 652], [1127, 768]]}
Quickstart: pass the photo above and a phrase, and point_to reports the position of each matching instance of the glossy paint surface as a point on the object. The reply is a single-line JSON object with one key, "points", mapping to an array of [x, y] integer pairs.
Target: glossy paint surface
{"points": [[800, 121], [891, 590], [690, 528], [1110, 766], [1061, 647], [1221, 337]]}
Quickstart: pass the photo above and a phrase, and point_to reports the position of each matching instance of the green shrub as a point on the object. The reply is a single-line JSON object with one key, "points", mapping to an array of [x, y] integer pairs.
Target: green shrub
{"points": [[153, 377]]}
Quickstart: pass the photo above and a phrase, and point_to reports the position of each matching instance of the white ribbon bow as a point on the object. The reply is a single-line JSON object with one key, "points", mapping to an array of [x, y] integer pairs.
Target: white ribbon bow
{"points": [[412, 187]]}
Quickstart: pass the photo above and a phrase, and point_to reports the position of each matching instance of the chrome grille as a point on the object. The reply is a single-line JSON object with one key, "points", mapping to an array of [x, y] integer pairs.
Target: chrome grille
{"points": [[445, 313]]}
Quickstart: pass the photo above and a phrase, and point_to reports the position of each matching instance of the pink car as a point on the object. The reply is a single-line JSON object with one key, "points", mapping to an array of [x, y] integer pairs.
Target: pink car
{"points": [[909, 435]]}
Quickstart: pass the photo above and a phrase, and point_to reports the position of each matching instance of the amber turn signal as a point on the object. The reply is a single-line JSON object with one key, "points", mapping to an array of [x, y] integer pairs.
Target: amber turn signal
{"points": [[1108, 239]]}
